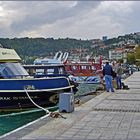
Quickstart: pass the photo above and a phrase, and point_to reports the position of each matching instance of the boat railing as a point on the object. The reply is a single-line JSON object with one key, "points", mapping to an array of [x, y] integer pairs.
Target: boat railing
{"points": [[15, 77], [50, 75]]}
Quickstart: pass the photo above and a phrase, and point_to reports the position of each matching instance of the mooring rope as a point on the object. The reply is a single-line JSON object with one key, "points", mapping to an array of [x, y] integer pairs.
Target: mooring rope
{"points": [[38, 106], [48, 113]]}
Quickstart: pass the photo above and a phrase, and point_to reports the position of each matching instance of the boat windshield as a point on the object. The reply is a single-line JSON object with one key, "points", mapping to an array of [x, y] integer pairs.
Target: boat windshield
{"points": [[12, 70]]}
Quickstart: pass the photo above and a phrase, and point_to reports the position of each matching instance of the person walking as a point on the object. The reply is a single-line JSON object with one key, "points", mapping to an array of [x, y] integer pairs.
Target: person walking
{"points": [[107, 72], [119, 72]]}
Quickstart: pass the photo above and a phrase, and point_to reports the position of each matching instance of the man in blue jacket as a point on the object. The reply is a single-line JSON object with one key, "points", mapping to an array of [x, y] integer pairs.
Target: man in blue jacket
{"points": [[107, 72]]}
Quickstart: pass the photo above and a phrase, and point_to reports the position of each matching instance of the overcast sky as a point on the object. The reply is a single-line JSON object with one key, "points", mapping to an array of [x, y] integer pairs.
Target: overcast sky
{"points": [[73, 19]]}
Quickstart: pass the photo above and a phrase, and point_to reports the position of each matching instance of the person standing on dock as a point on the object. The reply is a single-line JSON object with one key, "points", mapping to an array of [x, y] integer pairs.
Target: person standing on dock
{"points": [[119, 72], [107, 72]]}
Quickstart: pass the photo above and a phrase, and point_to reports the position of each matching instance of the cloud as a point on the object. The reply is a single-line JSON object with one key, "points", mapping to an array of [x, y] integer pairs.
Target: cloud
{"points": [[74, 19]]}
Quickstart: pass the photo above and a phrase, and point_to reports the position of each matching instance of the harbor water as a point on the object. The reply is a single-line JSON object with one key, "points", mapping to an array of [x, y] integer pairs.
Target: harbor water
{"points": [[12, 121]]}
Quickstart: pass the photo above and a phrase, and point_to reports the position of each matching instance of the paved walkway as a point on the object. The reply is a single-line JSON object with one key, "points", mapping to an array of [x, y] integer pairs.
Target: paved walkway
{"points": [[107, 116]]}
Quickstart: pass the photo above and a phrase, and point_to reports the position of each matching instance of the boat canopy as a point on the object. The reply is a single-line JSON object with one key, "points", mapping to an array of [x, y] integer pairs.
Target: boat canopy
{"points": [[12, 70], [8, 55]]}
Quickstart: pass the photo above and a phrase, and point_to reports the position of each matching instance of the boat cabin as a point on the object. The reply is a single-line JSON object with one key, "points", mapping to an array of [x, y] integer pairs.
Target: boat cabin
{"points": [[52, 70], [10, 66], [12, 70], [82, 69]]}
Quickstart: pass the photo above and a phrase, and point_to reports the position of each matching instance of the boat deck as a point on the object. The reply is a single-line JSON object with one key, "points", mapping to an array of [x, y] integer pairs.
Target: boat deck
{"points": [[107, 116]]}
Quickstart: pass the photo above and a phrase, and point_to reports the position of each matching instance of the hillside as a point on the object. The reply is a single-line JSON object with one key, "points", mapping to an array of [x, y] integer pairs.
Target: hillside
{"points": [[31, 48]]}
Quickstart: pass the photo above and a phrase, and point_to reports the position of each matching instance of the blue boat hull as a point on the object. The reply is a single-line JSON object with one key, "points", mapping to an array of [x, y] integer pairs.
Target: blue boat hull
{"points": [[43, 92], [20, 101], [37, 83]]}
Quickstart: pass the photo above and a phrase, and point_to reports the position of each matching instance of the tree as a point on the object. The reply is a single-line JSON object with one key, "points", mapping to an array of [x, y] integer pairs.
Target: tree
{"points": [[131, 58], [137, 54]]}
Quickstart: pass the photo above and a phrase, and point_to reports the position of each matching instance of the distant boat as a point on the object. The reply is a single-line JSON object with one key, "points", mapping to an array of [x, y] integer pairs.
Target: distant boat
{"points": [[80, 71], [15, 82], [57, 59], [84, 72]]}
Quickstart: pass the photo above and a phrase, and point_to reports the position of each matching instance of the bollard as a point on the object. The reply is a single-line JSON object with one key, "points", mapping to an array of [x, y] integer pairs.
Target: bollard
{"points": [[66, 102]]}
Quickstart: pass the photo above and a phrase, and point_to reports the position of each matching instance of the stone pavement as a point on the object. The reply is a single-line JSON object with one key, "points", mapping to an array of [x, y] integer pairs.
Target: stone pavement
{"points": [[107, 116]]}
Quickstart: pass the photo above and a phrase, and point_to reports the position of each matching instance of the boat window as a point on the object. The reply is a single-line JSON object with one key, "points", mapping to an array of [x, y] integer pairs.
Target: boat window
{"points": [[2, 67], [74, 67], [12, 70], [31, 71], [50, 71], [83, 67], [61, 71], [28, 70], [39, 71], [93, 67]]}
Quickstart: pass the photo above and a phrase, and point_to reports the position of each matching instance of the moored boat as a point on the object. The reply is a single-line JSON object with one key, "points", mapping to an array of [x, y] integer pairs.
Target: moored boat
{"points": [[50, 70], [15, 82], [79, 71], [84, 72]]}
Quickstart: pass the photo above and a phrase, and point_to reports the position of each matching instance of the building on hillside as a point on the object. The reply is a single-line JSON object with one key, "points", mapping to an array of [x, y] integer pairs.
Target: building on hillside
{"points": [[104, 38], [118, 53], [130, 48], [95, 43], [98, 43], [137, 33]]}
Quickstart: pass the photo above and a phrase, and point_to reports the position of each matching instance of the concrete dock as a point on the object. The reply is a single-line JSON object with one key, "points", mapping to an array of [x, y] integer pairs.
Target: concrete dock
{"points": [[107, 116]]}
